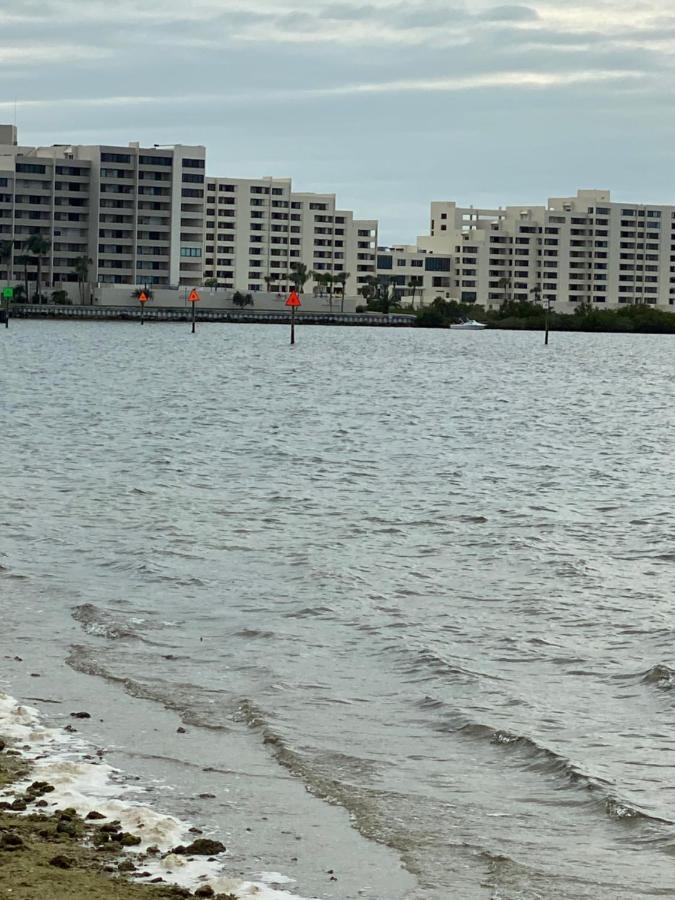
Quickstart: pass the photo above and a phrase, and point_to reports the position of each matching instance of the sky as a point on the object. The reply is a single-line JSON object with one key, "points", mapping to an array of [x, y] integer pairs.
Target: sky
{"points": [[390, 105]]}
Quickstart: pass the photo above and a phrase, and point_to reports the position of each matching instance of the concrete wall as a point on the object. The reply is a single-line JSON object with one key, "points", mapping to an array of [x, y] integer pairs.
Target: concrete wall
{"points": [[110, 295]]}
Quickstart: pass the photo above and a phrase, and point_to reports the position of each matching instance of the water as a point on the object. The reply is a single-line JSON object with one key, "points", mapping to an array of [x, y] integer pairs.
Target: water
{"points": [[425, 575]]}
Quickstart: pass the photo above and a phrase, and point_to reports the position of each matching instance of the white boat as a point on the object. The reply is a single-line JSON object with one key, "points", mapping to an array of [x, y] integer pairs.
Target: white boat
{"points": [[469, 325]]}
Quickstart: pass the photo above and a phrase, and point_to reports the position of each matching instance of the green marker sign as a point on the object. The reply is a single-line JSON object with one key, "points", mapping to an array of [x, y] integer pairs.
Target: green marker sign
{"points": [[8, 293]]}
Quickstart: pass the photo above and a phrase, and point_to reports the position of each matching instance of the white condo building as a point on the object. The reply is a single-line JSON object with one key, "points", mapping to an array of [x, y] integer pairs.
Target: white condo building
{"points": [[418, 275], [257, 228], [575, 249], [137, 213]]}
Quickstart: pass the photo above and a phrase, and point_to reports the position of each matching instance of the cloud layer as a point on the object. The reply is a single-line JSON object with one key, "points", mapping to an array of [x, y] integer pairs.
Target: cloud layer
{"points": [[391, 104]]}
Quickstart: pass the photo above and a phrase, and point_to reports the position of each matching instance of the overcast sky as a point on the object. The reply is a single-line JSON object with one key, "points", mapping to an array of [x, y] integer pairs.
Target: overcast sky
{"points": [[388, 104]]}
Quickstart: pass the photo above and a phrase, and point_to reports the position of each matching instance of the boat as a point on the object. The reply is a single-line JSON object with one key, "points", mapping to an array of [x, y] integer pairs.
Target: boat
{"points": [[469, 325]]}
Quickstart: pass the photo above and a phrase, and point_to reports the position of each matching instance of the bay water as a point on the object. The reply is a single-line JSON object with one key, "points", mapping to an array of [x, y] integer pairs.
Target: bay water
{"points": [[407, 593]]}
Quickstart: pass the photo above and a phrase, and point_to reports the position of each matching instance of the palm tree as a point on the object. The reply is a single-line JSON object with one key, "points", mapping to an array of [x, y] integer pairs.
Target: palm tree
{"points": [[299, 275], [242, 300], [368, 289], [341, 278], [23, 260], [269, 281], [81, 269], [320, 282], [211, 282], [20, 295], [6, 254], [38, 247], [144, 290], [331, 281], [505, 284]]}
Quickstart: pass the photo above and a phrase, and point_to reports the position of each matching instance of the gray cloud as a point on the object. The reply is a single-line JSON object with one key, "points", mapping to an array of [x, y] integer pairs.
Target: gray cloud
{"points": [[383, 101]]}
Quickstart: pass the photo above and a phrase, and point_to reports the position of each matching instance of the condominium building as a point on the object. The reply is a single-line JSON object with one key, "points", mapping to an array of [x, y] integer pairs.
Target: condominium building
{"points": [[256, 229], [419, 276], [583, 249], [136, 213]]}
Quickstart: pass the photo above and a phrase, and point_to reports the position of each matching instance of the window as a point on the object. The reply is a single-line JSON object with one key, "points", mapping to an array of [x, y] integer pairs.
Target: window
{"points": [[31, 167], [155, 160], [437, 264], [194, 164], [190, 251], [195, 179], [116, 157]]}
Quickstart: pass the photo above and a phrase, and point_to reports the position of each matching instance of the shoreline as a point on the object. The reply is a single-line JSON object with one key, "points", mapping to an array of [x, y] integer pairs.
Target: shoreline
{"points": [[66, 831]]}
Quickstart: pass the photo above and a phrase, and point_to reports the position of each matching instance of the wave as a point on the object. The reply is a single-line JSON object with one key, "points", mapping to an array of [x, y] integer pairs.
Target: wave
{"points": [[81, 781], [178, 697], [320, 777], [538, 757], [98, 622], [660, 675]]}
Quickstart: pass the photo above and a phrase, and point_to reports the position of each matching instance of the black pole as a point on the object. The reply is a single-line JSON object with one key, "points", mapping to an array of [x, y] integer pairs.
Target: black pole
{"points": [[548, 306], [194, 315], [142, 313], [292, 325]]}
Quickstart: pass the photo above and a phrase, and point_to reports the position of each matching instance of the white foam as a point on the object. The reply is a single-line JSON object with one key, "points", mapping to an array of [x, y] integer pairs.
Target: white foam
{"points": [[84, 783]]}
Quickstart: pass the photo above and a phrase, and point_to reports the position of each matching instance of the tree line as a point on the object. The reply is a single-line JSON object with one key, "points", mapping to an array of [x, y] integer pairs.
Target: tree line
{"points": [[526, 315], [32, 252]]}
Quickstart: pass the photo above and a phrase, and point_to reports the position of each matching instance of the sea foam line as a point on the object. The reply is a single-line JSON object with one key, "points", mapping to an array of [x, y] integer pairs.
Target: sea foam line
{"points": [[82, 782]]}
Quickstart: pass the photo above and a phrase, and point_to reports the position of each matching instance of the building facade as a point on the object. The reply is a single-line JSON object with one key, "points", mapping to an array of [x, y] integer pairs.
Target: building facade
{"points": [[419, 276], [137, 214], [256, 229], [583, 249]]}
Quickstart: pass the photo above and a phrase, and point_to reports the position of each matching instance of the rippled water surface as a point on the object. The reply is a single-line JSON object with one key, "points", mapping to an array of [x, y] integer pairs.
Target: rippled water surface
{"points": [[429, 574]]}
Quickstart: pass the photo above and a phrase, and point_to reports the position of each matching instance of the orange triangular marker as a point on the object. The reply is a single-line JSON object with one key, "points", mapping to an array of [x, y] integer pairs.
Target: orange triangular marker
{"points": [[293, 299], [143, 297], [194, 296]]}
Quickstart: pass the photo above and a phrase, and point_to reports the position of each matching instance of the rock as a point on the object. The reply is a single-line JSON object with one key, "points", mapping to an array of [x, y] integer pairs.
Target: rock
{"points": [[61, 862], [10, 841], [194, 830], [111, 827], [80, 715], [66, 826], [39, 789], [201, 847], [68, 813], [207, 796], [126, 866], [93, 815], [70, 729], [34, 675], [18, 805], [2, 745], [181, 730], [41, 803], [129, 840], [205, 891]]}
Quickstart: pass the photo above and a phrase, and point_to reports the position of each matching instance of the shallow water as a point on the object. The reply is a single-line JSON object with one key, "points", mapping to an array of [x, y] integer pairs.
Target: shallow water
{"points": [[427, 575]]}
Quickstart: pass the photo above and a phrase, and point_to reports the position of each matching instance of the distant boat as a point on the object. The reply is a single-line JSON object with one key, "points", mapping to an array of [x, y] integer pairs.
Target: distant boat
{"points": [[469, 325]]}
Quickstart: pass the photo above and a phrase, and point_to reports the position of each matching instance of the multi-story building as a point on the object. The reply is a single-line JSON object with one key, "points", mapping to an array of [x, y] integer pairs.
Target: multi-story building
{"points": [[137, 214], [257, 228], [419, 276], [583, 249]]}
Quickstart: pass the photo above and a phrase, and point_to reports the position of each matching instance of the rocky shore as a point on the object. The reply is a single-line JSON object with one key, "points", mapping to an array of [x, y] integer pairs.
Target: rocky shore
{"points": [[58, 855]]}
